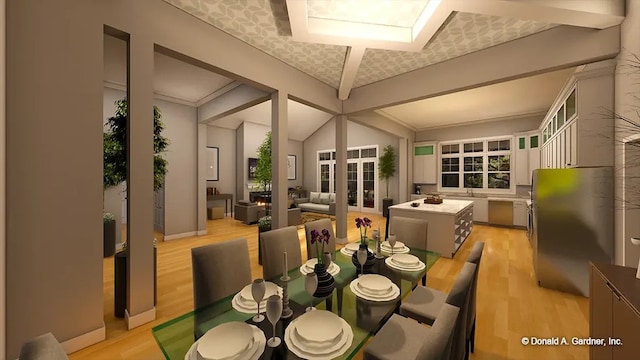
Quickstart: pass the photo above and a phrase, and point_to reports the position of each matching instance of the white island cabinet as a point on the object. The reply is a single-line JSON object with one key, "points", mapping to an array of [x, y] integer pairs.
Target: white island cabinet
{"points": [[448, 226]]}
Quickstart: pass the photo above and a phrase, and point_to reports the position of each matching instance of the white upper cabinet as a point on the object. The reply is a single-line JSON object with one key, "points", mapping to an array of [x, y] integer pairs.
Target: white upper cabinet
{"points": [[578, 129], [424, 163], [527, 156]]}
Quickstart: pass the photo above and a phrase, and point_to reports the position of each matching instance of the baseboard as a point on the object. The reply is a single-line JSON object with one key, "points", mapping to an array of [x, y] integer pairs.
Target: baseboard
{"points": [[140, 319], [181, 235], [85, 340], [202, 232]]}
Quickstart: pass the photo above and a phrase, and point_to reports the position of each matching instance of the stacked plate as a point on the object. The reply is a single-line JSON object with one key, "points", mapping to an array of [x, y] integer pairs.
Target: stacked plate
{"points": [[374, 287], [308, 267], [233, 340], [352, 248], [399, 248], [318, 335], [243, 301], [405, 262]]}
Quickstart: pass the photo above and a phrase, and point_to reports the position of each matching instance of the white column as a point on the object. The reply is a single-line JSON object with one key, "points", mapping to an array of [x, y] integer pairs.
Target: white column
{"points": [[280, 138], [404, 170], [140, 284], [201, 212], [341, 179]]}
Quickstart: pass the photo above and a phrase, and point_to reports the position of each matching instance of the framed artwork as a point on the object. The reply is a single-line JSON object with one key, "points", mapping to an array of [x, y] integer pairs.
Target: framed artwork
{"points": [[213, 156], [291, 167], [253, 164]]}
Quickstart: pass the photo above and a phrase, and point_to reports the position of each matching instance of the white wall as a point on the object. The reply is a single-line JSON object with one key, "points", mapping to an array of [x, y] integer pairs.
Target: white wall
{"points": [[357, 135], [627, 88], [498, 127], [225, 141]]}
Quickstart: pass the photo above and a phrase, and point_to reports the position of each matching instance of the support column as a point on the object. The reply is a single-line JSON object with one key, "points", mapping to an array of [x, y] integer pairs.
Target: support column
{"points": [[404, 171], [140, 282], [341, 179], [280, 138], [201, 212]]}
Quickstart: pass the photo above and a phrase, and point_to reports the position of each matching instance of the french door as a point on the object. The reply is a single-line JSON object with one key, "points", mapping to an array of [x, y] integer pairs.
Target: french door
{"points": [[362, 182]]}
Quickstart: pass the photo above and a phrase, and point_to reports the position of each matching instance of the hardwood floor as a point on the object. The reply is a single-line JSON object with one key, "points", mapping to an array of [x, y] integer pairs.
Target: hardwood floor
{"points": [[510, 304]]}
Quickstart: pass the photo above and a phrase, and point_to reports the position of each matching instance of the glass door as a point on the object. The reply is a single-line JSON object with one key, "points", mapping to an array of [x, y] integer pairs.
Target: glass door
{"points": [[369, 185], [325, 176], [353, 185]]}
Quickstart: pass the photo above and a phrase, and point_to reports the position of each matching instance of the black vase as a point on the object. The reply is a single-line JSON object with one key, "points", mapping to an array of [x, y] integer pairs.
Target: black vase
{"points": [[368, 266], [326, 284]]}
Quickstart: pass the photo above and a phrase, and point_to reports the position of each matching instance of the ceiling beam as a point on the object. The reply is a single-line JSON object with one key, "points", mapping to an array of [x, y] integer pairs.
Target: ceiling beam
{"points": [[349, 71], [379, 122], [550, 50], [239, 98], [596, 14]]}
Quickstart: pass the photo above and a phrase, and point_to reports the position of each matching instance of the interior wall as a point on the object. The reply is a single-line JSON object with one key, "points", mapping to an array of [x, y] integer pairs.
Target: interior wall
{"points": [[225, 140], [357, 135], [497, 127], [627, 89], [54, 170]]}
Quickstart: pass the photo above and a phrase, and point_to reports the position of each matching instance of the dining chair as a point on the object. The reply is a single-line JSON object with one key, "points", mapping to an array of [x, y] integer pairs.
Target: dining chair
{"points": [[474, 257], [319, 225], [412, 232], [219, 270], [424, 305], [404, 339], [274, 243], [43, 347]]}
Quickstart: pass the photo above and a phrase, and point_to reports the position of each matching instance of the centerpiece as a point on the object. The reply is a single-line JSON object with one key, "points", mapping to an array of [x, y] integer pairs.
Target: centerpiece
{"points": [[363, 224], [326, 284]]}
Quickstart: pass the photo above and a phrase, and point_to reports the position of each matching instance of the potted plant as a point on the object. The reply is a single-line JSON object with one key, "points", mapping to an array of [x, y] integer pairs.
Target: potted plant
{"points": [[386, 170], [326, 283], [115, 172], [362, 225], [109, 234]]}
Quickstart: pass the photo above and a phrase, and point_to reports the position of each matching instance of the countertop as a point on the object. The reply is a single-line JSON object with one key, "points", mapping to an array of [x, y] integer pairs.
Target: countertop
{"points": [[623, 279], [448, 206]]}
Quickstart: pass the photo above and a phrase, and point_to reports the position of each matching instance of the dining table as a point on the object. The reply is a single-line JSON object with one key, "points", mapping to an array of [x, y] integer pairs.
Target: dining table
{"points": [[365, 317]]}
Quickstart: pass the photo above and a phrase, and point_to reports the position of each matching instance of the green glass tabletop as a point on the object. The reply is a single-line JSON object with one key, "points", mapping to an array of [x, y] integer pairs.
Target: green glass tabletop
{"points": [[176, 336]]}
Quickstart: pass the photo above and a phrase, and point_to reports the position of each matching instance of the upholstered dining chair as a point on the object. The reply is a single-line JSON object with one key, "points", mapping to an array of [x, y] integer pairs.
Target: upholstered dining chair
{"points": [[412, 232], [474, 257], [43, 347], [319, 225], [404, 339], [274, 244], [424, 305]]}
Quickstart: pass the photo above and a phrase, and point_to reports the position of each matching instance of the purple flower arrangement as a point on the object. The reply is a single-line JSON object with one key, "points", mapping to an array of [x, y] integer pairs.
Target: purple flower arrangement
{"points": [[320, 238], [363, 224]]}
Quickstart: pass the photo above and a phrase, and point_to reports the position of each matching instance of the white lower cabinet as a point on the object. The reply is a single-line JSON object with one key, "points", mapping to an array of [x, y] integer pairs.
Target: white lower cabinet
{"points": [[481, 210], [520, 217]]}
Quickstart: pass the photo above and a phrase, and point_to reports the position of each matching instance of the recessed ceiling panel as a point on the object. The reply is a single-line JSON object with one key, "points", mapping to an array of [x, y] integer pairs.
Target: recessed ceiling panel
{"points": [[379, 12], [534, 94], [254, 23], [463, 34]]}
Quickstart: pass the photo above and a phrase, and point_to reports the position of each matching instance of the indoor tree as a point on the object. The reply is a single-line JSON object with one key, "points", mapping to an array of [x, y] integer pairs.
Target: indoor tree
{"points": [[387, 166], [263, 169]]}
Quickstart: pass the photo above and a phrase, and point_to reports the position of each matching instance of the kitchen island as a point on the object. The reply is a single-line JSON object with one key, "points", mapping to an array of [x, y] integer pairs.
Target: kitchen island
{"points": [[449, 223]]}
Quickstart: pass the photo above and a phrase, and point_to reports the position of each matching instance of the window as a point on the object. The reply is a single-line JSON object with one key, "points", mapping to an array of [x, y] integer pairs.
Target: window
{"points": [[480, 164], [353, 154]]}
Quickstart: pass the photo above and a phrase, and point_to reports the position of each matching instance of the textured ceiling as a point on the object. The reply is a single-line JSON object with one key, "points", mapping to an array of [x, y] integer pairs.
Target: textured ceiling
{"points": [[258, 24], [464, 33]]}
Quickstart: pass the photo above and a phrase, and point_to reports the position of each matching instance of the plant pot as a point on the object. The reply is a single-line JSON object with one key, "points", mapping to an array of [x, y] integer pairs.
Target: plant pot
{"points": [[120, 282], [326, 283], [386, 202], [109, 237], [368, 266]]}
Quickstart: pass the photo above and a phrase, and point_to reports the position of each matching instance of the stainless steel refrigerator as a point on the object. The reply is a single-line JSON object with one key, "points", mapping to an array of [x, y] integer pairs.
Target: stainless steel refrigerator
{"points": [[572, 224]]}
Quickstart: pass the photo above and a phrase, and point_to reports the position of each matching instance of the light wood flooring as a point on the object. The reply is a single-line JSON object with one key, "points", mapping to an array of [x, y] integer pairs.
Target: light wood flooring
{"points": [[510, 305]]}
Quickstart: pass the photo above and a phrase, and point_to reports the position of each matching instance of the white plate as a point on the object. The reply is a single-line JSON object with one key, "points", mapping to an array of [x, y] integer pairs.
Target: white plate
{"points": [[396, 266], [319, 347], [387, 250], [353, 247], [225, 341], [375, 283], [270, 289], [334, 270], [405, 260], [254, 353], [395, 292], [246, 306], [303, 352], [318, 326], [346, 251]]}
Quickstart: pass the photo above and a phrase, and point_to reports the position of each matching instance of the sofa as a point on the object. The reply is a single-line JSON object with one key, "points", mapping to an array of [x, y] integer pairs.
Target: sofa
{"points": [[318, 202]]}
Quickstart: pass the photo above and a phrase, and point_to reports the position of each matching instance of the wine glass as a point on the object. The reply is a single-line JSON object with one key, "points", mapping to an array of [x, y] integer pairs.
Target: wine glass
{"points": [[362, 259], [274, 310], [310, 285], [258, 288], [392, 241]]}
